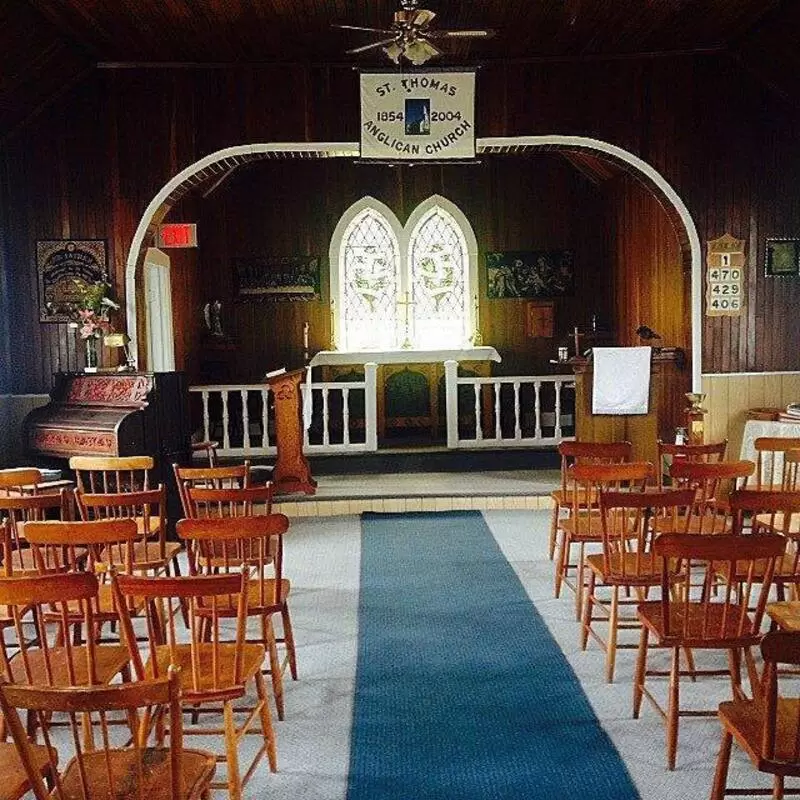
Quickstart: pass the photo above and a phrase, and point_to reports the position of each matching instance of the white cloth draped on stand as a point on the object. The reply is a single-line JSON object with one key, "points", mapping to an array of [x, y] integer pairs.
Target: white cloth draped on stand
{"points": [[621, 380]]}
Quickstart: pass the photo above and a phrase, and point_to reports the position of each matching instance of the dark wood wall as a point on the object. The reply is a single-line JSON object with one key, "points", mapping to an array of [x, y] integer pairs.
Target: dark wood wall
{"points": [[290, 208], [89, 163]]}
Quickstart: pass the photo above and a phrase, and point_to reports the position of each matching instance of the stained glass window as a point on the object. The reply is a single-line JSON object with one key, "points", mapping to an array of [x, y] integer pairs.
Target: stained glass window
{"points": [[399, 288], [438, 262], [370, 285]]}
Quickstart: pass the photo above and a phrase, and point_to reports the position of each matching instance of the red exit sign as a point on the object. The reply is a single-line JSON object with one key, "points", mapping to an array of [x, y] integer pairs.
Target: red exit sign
{"points": [[177, 234]]}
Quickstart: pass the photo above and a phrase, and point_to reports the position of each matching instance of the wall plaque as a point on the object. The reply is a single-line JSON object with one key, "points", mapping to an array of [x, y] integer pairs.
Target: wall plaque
{"points": [[539, 319], [725, 264], [66, 268]]}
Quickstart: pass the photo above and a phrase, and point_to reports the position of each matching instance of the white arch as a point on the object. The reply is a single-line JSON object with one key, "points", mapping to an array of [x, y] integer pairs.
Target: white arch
{"points": [[487, 145], [334, 251]]}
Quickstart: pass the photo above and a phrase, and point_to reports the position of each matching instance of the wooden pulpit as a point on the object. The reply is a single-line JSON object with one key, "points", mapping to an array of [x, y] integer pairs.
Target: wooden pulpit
{"points": [[292, 472], [669, 379]]}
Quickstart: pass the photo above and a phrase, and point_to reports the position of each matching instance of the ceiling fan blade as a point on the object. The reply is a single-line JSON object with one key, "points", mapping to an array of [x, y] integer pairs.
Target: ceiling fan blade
{"points": [[372, 46], [487, 33], [360, 28]]}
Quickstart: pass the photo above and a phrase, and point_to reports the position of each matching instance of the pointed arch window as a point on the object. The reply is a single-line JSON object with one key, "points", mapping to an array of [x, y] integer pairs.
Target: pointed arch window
{"points": [[395, 287]]}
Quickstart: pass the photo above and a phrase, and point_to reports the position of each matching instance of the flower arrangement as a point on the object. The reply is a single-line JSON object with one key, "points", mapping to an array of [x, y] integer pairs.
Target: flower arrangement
{"points": [[93, 306]]}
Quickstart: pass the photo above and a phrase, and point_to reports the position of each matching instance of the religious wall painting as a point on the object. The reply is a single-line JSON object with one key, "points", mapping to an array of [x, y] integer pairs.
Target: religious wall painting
{"points": [[530, 273], [725, 265], [66, 269], [276, 278], [782, 257]]}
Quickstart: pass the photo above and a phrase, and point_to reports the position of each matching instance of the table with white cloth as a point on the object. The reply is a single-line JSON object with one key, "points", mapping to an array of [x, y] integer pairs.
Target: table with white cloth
{"points": [[758, 428]]}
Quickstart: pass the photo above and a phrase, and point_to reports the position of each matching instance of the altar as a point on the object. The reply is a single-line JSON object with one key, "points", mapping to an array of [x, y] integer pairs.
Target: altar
{"points": [[410, 383]]}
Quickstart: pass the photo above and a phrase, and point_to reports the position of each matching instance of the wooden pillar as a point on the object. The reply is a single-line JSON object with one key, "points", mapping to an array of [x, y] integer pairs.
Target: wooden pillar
{"points": [[292, 472]]}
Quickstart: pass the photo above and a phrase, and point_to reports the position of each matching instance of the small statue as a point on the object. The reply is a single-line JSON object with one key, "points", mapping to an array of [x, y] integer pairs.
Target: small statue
{"points": [[212, 313]]}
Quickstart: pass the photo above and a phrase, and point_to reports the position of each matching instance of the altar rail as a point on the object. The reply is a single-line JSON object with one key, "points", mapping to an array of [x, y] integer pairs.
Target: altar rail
{"points": [[521, 411]]}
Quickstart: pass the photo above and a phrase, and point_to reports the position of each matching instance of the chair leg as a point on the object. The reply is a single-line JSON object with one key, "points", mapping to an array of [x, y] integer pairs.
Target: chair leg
{"points": [[579, 582], [588, 608], [551, 548], [777, 787], [721, 774], [232, 753], [611, 642], [641, 671], [268, 637], [673, 708], [266, 723], [562, 559], [288, 640]]}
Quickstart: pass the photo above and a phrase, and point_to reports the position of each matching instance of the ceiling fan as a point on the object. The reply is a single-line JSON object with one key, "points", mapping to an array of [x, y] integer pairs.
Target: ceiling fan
{"points": [[410, 36]]}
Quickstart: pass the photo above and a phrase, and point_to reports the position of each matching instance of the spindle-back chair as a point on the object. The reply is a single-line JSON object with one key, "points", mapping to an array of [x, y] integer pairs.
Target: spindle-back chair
{"points": [[212, 670], [705, 617]]}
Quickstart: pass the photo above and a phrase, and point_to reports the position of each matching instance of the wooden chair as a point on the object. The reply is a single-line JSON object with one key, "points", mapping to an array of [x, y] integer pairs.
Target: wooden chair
{"points": [[59, 604], [583, 452], [232, 477], [669, 453], [712, 483], [99, 772], [211, 671], [767, 729], [21, 508], [19, 480], [708, 618], [111, 474], [211, 503], [97, 547], [628, 561], [770, 451], [16, 782], [250, 544], [209, 448], [148, 508], [776, 512], [584, 525]]}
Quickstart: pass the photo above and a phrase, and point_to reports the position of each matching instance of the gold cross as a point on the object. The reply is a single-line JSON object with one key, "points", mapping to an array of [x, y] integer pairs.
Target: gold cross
{"points": [[406, 345]]}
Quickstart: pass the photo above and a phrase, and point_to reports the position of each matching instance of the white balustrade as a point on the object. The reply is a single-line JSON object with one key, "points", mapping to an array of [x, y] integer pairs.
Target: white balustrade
{"points": [[241, 417], [498, 412], [481, 418]]}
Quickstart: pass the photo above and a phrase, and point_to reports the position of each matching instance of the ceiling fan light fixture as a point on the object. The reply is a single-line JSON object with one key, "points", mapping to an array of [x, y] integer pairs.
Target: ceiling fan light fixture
{"points": [[417, 52], [394, 52]]}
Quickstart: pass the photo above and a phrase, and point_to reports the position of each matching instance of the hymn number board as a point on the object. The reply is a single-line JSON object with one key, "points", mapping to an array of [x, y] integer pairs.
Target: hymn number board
{"points": [[725, 276]]}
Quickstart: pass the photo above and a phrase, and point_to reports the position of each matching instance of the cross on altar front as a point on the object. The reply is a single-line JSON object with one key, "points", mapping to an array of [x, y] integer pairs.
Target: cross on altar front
{"points": [[407, 344]]}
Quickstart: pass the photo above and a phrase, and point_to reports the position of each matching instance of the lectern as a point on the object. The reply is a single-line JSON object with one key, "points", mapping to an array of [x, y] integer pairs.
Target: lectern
{"points": [[292, 472]]}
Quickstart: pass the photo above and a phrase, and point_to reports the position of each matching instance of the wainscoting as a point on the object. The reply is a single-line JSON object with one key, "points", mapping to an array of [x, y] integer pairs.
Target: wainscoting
{"points": [[13, 410], [731, 395]]}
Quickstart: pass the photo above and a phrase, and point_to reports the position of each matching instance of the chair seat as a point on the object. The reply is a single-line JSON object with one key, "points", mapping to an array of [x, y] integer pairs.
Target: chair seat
{"points": [[629, 569], [226, 607], [121, 766], [181, 656], [587, 528], [565, 497], [776, 522], [15, 780], [110, 660], [745, 720], [787, 568], [147, 554], [702, 623], [706, 524]]}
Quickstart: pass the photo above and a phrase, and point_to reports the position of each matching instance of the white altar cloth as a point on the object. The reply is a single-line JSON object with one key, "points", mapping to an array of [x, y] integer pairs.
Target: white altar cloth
{"points": [[341, 358]]}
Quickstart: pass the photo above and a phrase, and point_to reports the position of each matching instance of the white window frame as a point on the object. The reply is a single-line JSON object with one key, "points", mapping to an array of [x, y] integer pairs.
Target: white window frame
{"points": [[403, 234]]}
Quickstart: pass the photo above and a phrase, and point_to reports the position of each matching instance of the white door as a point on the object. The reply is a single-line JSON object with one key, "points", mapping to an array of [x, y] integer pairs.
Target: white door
{"points": [[157, 286]]}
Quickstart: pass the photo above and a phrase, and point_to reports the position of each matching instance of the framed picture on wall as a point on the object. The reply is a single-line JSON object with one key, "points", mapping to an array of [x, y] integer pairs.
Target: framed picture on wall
{"points": [[782, 257], [530, 273]]}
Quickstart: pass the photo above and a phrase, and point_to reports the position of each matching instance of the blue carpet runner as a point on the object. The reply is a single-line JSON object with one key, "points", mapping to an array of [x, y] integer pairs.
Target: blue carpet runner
{"points": [[461, 691]]}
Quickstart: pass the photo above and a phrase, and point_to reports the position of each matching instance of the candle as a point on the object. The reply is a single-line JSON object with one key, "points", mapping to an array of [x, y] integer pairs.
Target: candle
{"points": [[305, 336]]}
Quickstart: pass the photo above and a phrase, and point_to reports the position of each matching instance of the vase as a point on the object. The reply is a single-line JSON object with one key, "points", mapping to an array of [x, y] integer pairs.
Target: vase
{"points": [[91, 354]]}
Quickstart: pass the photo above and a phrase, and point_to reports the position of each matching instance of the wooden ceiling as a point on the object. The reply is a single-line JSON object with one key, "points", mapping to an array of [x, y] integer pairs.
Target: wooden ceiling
{"points": [[46, 44]]}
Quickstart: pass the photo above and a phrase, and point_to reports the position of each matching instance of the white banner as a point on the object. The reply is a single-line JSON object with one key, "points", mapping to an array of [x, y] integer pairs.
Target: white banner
{"points": [[418, 116]]}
